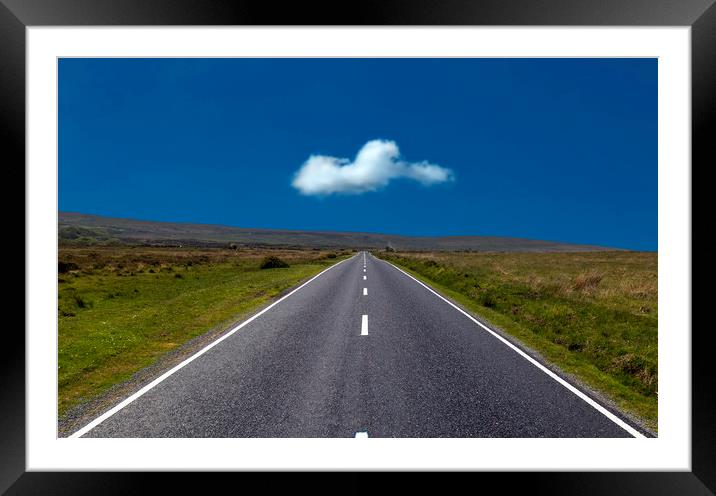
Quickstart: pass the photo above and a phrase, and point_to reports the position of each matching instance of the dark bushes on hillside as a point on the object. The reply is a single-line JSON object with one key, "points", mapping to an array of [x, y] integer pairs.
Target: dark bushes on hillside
{"points": [[273, 262]]}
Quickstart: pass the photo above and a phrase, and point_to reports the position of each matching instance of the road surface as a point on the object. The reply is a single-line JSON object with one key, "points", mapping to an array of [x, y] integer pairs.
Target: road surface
{"points": [[362, 350]]}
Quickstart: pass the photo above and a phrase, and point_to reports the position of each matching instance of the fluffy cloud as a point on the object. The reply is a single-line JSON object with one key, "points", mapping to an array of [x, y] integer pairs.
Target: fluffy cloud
{"points": [[375, 165]]}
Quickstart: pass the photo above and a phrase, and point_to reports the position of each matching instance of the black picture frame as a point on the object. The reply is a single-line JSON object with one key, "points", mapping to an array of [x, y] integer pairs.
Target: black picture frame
{"points": [[700, 15]]}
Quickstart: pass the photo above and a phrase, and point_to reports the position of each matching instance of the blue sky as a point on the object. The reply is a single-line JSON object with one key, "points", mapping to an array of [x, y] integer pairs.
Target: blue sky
{"points": [[555, 149]]}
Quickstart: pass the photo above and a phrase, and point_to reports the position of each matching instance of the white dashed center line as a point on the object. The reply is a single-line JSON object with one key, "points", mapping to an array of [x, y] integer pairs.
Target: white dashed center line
{"points": [[361, 435], [365, 291], [365, 277], [364, 326]]}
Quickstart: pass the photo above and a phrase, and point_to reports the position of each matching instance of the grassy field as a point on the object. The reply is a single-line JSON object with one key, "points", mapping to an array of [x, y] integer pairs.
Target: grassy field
{"points": [[594, 315], [122, 308]]}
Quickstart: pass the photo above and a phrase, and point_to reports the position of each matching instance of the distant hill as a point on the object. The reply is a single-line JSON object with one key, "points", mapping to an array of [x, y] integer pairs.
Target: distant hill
{"points": [[77, 228]]}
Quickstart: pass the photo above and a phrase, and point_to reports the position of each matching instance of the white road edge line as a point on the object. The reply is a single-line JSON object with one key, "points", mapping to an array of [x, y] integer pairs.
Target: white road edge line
{"points": [[361, 435], [365, 291], [364, 326], [534, 362], [84, 430]]}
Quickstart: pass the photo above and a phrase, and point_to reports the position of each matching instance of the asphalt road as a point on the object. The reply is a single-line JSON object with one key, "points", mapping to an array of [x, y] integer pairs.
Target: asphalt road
{"points": [[360, 350]]}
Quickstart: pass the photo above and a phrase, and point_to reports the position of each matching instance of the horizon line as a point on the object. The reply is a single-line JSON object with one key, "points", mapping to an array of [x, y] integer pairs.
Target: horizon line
{"points": [[60, 212]]}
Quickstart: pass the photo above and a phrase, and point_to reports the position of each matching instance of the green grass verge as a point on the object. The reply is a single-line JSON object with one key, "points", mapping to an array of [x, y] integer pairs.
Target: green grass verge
{"points": [[593, 315], [120, 309]]}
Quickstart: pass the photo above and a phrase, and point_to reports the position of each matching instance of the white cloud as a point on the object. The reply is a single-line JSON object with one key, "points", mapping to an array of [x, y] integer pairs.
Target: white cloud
{"points": [[375, 165]]}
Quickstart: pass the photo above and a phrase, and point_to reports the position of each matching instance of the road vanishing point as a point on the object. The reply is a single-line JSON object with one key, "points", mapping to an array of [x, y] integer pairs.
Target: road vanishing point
{"points": [[363, 349]]}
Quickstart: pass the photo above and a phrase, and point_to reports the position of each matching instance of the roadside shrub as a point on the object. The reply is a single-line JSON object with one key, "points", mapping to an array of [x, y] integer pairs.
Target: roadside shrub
{"points": [[488, 299], [64, 267], [273, 262], [575, 347], [329, 255]]}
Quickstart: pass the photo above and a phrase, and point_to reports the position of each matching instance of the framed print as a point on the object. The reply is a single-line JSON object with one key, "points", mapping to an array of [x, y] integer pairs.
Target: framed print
{"points": [[421, 237]]}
